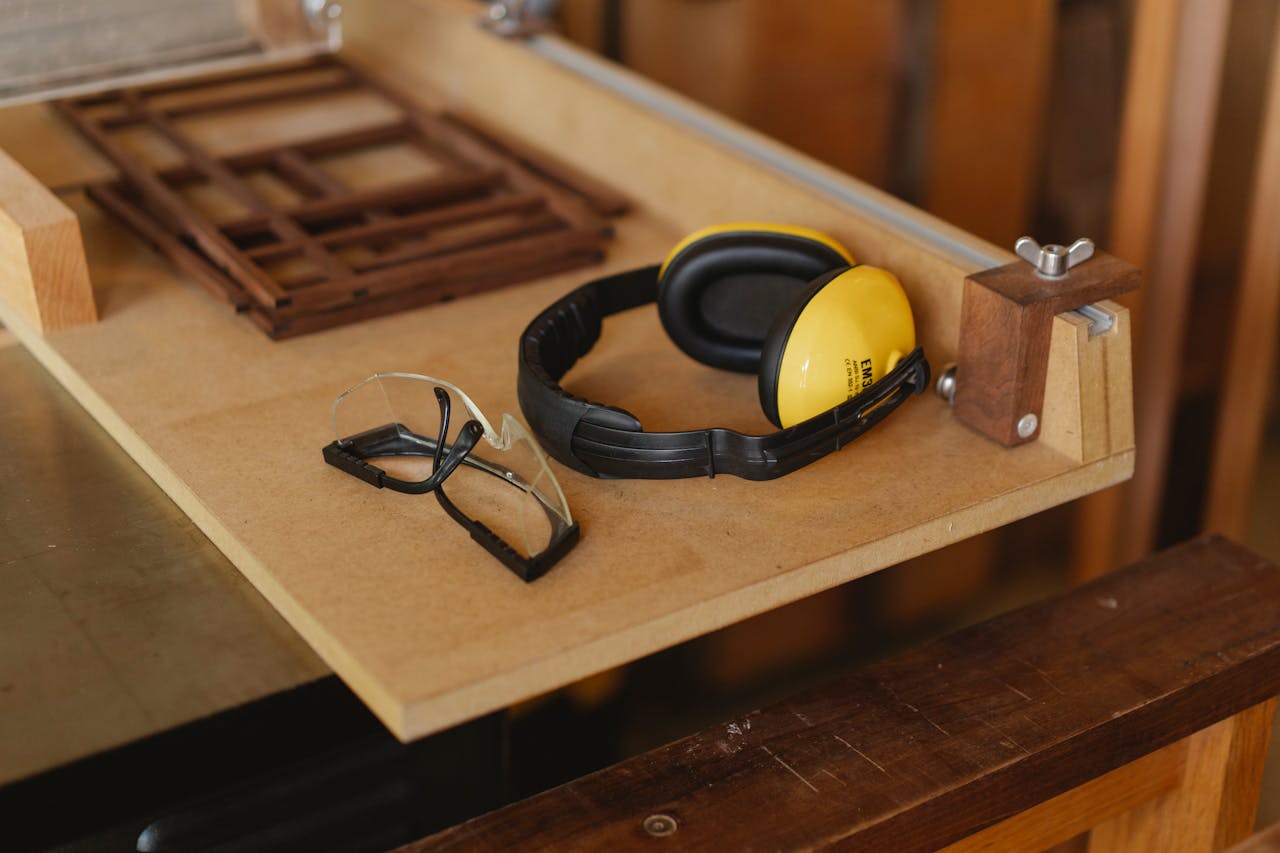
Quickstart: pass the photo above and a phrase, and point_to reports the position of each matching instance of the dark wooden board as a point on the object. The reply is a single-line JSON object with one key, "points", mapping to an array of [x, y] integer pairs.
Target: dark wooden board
{"points": [[921, 750]]}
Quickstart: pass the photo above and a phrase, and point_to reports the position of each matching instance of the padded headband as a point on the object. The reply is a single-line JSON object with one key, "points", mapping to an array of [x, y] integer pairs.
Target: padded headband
{"points": [[604, 441]]}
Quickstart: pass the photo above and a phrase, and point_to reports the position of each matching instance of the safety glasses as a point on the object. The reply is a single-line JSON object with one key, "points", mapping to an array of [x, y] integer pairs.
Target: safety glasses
{"points": [[397, 431]]}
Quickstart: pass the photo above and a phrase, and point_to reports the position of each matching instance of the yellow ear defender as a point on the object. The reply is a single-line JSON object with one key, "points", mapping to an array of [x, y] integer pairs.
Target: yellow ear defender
{"points": [[789, 304], [822, 333]]}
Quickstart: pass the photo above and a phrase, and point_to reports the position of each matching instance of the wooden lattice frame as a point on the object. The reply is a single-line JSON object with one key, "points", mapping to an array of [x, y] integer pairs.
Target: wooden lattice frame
{"points": [[519, 216]]}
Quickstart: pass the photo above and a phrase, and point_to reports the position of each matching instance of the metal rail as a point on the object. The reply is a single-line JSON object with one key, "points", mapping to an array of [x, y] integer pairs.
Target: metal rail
{"points": [[919, 225], [871, 202]]}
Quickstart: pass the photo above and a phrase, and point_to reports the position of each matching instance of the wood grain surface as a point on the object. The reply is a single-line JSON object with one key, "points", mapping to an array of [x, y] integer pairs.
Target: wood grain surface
{"points": [[42, 266], [418, 620], [1248, 378], [989, 112], [1217, 802], [120, 619], [1171, 104], [921, 750], [1005, 330]]}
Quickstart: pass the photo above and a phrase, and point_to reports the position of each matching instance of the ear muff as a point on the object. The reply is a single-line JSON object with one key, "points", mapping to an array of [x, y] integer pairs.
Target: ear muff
{"points": [[721, 288], [842, 333]]}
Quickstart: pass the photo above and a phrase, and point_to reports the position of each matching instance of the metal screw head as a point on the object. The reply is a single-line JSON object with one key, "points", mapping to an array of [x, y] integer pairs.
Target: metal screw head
{"points": [[1027, 425], [946, 386], [660, 825], [319, 10], [507, 10]]}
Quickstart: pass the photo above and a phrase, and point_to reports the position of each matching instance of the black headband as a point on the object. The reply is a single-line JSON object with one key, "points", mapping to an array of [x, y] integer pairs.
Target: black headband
{"points": [[604, 441]]}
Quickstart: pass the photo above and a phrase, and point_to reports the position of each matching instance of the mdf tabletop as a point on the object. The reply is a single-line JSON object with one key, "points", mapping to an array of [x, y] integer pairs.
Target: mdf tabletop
{"points": [[390, 594]]}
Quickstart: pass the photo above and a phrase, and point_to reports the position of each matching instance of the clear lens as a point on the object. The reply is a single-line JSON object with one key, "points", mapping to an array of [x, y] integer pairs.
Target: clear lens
{"points": [[394, 397], [392, 420], [396, 413]]}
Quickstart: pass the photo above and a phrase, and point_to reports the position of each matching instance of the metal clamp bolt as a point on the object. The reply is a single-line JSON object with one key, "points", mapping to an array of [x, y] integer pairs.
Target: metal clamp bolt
{"points": [[318, 10], [515, 18], [1053, 260], [946, 386]]}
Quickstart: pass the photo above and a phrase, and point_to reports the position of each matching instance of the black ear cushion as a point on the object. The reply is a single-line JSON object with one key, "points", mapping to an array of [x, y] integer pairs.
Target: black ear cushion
{"points": [[719, 295], [775, 343]]}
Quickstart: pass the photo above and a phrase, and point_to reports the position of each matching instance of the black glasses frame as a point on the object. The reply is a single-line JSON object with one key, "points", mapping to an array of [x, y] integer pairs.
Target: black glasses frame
{"points": [[351, 455]]}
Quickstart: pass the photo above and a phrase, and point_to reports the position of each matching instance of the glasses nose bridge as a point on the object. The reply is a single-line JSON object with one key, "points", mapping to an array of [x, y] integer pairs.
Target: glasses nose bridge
{"points": [[401, 404], [443, 464]]}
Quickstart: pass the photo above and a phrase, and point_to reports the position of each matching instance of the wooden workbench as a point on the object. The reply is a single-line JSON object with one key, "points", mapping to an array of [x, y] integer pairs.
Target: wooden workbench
{"points": [[420, 622], [121, 619]]}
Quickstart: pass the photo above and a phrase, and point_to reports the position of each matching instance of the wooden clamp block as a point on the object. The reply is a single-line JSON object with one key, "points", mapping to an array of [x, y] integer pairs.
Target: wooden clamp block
{"points": [[43, 273], [1005, 322]]}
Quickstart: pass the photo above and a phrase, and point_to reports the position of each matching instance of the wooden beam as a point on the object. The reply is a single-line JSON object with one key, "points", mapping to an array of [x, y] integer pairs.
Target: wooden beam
{"points": [[1089, 415], [699, 49], [826, 80], [1251, 356], [1162, 166], [1163, 319], [43, 273], [1216, 802], [583, 21], [958, 735], [1068, 815], [992, 69]]}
